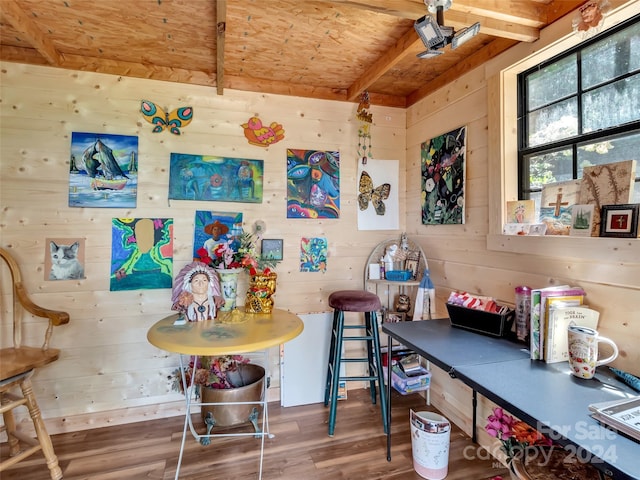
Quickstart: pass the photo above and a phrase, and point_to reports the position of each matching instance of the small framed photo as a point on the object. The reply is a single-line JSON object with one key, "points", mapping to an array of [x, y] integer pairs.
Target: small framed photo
{"points": [[272, 249], [619, 220], [537, 229], [394, 317], [412, 263]]}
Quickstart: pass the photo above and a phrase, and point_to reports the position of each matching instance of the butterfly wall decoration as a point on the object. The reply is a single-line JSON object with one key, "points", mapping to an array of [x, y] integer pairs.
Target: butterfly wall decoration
{"points": [[374, 195], [173, 120]]}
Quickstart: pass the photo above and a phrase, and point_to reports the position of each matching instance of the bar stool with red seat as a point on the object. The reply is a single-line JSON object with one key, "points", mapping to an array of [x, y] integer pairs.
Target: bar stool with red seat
{"points": [[364, 302]]}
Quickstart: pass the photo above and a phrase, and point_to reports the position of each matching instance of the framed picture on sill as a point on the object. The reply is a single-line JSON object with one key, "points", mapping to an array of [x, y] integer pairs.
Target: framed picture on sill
{"points": [[619, 220], [394, 317], [272, 249]]}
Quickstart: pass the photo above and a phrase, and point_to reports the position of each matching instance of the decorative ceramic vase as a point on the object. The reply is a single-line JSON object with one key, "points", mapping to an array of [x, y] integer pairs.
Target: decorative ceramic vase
{"points": [[251, 391], [261, 289], [229, 287]]}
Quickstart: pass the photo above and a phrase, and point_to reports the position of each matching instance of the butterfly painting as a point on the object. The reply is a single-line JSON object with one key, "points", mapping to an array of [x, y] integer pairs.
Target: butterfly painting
{"points": [[174, 120], [369, 194]]}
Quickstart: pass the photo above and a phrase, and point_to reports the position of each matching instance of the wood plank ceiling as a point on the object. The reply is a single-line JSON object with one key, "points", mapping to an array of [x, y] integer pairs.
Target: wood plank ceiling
{"points": [[320, 49]]}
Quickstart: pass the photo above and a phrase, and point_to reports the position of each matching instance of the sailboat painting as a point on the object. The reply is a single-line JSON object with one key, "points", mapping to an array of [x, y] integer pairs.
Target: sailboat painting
{"points": [[103, 170]]}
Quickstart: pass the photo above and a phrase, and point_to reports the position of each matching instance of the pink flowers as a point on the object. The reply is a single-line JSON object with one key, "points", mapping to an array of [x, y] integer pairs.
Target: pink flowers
{"points": [[515, 435], [235, 254], [500, 424]]}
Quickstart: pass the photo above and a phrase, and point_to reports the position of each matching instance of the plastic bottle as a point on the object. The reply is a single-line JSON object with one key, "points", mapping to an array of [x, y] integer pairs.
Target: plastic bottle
{"points": [[523, 312]]}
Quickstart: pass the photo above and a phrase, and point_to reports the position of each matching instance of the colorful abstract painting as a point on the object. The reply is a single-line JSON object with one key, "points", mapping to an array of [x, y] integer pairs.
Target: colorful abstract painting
{"points": [[213, 228], [313, 254], [221, 179], [141, 253], [313, 184], [103, 170], [443, 177]]}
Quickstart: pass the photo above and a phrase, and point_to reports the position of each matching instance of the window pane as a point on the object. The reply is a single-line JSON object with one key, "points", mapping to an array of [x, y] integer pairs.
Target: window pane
{"points": [[614, 56], [553, 82], [609, 150], [614, 104], [552, 123], [550, 167]]}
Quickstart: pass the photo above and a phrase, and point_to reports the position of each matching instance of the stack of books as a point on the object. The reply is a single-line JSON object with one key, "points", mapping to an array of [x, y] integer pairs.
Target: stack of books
{"points": [[553, 309]]}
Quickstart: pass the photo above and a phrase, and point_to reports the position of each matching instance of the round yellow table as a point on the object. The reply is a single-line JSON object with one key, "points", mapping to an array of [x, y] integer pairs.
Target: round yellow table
{"points": [[232, 333]]}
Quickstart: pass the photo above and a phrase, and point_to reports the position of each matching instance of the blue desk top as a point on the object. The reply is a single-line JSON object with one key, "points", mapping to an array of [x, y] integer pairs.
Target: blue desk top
{"points": [[449, 347], [548, 397], [545, 396]]}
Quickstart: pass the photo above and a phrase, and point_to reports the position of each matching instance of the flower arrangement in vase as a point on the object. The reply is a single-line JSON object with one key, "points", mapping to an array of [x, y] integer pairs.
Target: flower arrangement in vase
{"points": [[515, 435], [228, 254], [212, 372]]}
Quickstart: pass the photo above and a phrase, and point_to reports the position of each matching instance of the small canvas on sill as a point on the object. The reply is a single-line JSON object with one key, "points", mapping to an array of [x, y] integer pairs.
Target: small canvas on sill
{"points": [[581, 220], [556, 203], [521, 211]]}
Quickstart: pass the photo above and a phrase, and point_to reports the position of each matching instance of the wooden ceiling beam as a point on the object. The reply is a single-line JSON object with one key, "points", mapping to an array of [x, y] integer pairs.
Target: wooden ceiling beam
{"points": [[511, 19], [521, 12], [31, 33], [221, 27], [114, 67], [406, 45], [307, 91], [491, 26]]}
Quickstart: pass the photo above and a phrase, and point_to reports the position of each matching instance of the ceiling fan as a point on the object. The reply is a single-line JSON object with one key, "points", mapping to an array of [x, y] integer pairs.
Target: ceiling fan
{"points": [[435, 35]]}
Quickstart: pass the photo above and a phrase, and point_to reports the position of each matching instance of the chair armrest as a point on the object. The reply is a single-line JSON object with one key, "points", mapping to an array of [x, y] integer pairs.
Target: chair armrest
{"points": [[56, 317]]}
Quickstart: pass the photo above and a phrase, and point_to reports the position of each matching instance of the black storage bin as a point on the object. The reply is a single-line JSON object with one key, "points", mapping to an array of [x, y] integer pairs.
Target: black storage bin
{"points": [[480, 321]]}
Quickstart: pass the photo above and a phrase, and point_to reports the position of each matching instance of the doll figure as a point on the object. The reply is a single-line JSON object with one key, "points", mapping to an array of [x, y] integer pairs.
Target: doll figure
{"points": [[196, 292]]}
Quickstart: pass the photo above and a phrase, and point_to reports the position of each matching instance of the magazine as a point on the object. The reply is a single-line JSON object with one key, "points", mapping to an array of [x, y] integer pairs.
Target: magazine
{"points": [[621, 415]]}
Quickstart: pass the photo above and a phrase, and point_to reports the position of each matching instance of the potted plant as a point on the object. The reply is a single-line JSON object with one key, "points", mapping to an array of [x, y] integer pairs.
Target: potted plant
{"points": [[223, 379]]}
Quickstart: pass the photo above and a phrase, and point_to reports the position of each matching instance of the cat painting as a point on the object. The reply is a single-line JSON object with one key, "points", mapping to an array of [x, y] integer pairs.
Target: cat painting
{"points": [[65, 264]]}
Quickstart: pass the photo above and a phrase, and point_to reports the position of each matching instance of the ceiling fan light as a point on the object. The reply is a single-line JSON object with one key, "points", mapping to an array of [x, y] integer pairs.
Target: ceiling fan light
{"points": [[465, 35], [429, 31], [429, 54]]}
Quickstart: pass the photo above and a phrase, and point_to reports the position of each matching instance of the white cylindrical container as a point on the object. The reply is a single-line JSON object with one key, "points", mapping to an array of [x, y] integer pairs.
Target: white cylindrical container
{"points": [[430, 434]]}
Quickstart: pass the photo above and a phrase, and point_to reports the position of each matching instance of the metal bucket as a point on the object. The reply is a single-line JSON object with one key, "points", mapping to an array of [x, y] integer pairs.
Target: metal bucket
{"points": [[252, 391]]}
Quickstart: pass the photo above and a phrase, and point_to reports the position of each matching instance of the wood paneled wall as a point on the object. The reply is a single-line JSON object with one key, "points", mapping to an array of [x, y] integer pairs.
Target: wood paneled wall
{"points": [[108, 372]]}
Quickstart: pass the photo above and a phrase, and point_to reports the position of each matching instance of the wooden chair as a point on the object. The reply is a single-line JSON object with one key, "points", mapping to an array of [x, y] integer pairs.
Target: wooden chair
{"points": [[17, 365]]}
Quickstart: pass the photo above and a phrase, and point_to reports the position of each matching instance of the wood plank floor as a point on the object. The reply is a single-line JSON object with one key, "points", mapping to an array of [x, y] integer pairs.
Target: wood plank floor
{"points": [[301, 449]]}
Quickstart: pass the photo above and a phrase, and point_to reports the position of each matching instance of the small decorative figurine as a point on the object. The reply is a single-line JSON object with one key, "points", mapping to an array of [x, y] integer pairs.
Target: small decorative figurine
{"points": [[403, 304], [196, 292], [262, 286]]}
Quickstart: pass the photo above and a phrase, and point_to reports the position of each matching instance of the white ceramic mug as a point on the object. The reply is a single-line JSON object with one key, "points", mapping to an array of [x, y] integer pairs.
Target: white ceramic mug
{"points": [[583, 350]]}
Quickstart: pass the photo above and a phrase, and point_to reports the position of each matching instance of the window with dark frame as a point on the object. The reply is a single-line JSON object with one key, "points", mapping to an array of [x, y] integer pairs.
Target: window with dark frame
{"points": [[579, 109]]}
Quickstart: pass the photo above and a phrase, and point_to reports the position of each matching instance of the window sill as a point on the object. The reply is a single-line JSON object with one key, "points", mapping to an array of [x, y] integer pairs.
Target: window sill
{"points": [[614, 250]]}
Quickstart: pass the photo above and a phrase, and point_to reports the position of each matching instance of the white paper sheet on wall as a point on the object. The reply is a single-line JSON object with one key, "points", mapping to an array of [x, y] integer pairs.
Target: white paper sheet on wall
{"points": [[374, 197]]}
